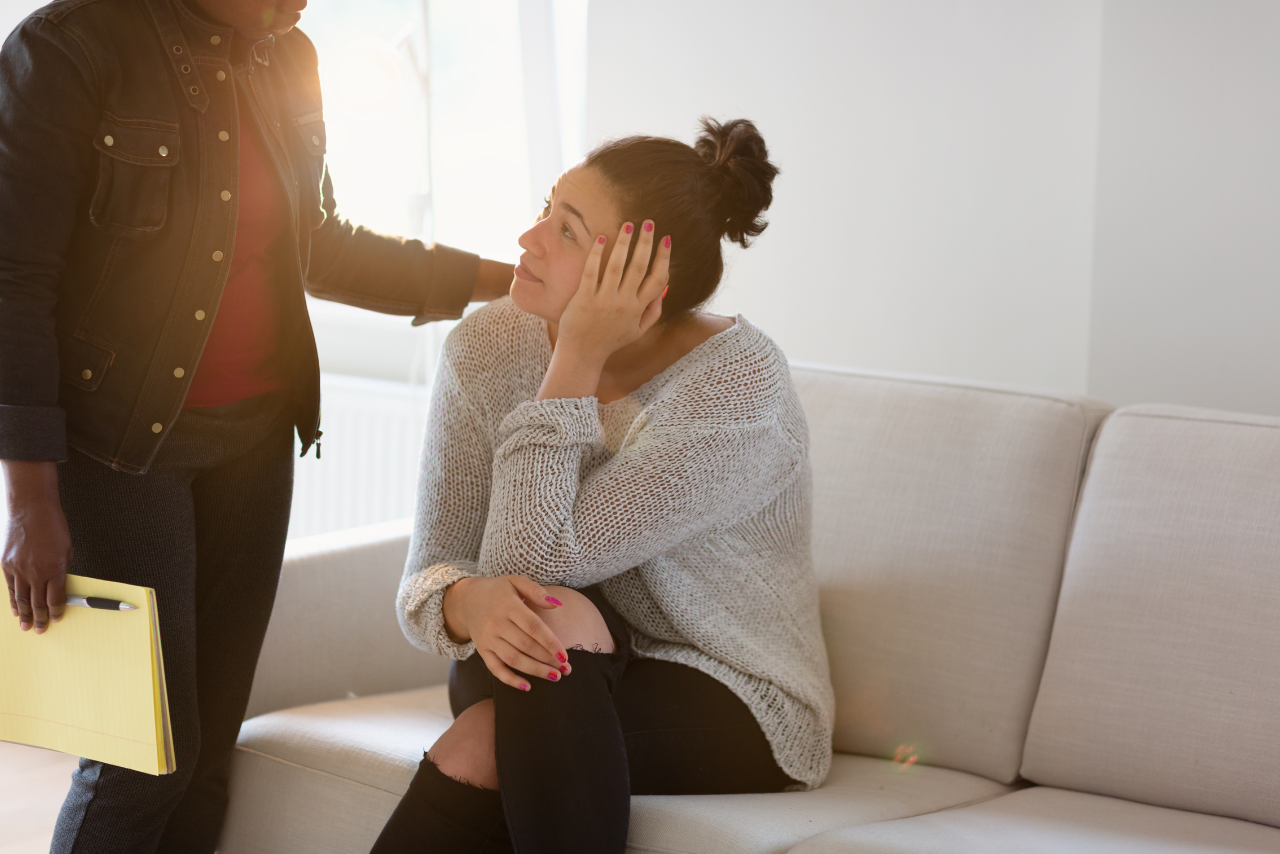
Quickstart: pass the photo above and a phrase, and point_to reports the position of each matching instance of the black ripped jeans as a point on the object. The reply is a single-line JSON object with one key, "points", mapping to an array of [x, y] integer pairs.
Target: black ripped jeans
{"points": [[571, 753]]}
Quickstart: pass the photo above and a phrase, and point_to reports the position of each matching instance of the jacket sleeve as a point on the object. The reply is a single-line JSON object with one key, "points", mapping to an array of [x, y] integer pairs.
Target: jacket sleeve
{"points": [[48, 115], [353, 265]]}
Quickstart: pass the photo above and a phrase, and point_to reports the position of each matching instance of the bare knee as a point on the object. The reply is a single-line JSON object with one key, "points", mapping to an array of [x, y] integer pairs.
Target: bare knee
{"points": [[578, 622], [466, 750]]}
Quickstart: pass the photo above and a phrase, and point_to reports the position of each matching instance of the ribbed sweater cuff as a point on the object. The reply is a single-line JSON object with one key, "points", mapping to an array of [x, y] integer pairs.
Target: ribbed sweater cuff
{"points": [[420, 606], [559, 422]]}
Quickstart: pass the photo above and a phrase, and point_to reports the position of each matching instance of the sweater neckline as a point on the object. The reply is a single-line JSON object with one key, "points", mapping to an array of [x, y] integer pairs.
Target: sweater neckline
{"points": [[662, 377]]}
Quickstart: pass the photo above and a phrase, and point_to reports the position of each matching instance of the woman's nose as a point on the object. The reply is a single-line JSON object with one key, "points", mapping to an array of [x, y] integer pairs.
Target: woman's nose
{"points": [[530, 242]]}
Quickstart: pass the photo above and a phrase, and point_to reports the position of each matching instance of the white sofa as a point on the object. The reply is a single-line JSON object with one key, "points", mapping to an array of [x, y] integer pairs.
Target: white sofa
{"points": [[1028, 656]]}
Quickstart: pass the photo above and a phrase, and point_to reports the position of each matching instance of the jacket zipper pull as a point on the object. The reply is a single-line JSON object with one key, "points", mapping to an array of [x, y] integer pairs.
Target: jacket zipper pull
{"points": [[319, 433]]}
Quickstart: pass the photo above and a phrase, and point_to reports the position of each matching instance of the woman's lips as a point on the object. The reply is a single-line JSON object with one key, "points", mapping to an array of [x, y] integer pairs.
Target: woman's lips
{"points": [[523, 272]]}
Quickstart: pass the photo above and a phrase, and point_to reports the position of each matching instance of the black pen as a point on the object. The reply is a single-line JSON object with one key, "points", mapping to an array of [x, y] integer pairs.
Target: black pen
{"points": [[99, 603]]}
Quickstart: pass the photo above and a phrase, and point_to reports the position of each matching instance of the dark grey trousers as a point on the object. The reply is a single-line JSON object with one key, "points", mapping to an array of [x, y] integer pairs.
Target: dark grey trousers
{"points": [[205, 527]]}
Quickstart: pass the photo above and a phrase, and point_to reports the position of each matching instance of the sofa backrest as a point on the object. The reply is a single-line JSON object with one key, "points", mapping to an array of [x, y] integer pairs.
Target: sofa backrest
{"points": [[1162, 682], [941, 515]]}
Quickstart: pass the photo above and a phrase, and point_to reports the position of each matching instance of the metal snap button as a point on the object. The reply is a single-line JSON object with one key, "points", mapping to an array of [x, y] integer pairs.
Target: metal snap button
{"points": [[222, 75], [315, 140], [226, 195], [109, 140], [157, 427], [217, 255], [178, 372], [215, 40], [223, 135], [177, 48], [164, 151], [199, 314], [87, 374]]}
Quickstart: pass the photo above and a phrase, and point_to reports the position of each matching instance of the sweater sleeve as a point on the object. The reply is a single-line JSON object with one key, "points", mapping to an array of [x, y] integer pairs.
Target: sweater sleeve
{"points": [[675, 477], [453, 499]]}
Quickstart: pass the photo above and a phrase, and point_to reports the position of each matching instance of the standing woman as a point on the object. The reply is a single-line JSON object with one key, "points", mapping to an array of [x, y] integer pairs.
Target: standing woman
{"points": [[164, 204]]}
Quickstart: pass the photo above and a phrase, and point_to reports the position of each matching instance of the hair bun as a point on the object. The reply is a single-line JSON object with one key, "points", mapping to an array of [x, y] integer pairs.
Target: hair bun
{"points": [[741, 173]]}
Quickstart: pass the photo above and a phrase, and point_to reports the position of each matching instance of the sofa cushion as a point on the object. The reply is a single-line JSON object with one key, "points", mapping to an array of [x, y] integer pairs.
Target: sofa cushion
{"points": [[941, 516], [1052, 821], [1162, 683], [324, 778]]}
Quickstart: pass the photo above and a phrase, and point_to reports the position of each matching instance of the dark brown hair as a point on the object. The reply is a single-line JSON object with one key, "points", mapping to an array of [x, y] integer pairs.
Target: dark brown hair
{"points": [[698, 194]]}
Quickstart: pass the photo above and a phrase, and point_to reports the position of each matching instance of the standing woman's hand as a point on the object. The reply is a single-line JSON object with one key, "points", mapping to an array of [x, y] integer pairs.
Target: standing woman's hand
{"points": [[37, 549], [608, 312]]}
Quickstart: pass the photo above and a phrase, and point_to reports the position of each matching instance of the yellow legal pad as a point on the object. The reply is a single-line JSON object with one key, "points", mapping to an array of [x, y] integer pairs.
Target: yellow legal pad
{"points": [[93, 684]]}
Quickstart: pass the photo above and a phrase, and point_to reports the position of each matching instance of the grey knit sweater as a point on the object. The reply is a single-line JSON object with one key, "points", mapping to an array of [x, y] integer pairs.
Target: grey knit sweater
{"points": [[689, 499]]}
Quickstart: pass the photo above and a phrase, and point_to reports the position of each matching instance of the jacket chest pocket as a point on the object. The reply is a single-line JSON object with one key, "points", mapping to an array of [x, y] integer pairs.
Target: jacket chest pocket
{"points": [[135, 162], [311, 142]]}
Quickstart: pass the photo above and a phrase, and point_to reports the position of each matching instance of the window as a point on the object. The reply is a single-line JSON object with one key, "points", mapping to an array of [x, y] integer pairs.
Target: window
{"points": [[447, 120]]}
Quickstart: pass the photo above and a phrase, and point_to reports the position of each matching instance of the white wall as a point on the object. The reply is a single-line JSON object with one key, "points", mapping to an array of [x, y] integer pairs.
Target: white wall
{"points": [[1186, 302], [935, 208]]}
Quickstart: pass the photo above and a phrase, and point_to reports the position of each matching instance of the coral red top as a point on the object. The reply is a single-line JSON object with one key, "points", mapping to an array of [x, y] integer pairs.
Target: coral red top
{"points": [[241, 358]]}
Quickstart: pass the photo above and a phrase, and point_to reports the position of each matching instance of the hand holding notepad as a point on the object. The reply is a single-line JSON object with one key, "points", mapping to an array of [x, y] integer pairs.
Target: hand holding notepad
{"points": [[93, 685]]}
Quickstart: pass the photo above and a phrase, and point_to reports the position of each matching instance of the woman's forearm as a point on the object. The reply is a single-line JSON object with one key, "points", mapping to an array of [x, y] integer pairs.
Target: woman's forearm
{"points": [[571, 374]]}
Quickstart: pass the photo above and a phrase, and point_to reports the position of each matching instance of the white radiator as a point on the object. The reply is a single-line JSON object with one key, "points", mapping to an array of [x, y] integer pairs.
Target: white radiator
{"points": [[369, 463]]}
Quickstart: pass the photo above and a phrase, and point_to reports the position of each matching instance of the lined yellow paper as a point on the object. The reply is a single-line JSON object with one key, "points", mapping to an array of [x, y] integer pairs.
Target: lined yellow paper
{"points": [[93, 684]]}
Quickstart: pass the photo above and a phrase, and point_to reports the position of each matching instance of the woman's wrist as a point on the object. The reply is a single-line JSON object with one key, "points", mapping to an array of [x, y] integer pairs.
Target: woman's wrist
{"points": [[572, 373], [454, 624]]}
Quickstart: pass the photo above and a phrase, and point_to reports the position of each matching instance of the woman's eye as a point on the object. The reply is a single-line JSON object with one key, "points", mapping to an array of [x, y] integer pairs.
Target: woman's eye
{"points": [[567, 232]]}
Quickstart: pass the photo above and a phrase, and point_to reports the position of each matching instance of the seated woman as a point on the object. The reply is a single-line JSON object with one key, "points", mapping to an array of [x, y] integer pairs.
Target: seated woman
{"points": [[612, 536]]}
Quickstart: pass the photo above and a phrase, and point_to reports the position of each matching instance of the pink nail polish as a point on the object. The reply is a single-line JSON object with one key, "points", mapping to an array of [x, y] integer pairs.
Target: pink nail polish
{"points": [[554, 601], [601, 240], [524, 687], [664, 292], [648, 226], [564, 669], [553, 676], [627, 228], [561, 657], [666, 241]]}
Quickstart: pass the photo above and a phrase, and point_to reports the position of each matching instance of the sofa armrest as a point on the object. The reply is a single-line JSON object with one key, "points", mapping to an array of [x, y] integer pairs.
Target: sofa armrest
{"points": [[333, 631]]}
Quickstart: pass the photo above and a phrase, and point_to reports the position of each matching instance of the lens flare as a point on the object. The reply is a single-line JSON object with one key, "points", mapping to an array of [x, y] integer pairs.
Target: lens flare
{"points": [[905, 756]]}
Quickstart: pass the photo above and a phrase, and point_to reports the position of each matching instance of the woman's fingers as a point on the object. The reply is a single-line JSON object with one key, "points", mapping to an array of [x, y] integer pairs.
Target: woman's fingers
{"points": [[516, 659], [503, 673], [655, 283], [639, 259], [591, 272], [617, 258], [8, 583], [22, 597], [39, 608], [534, 593], [56, 597]]}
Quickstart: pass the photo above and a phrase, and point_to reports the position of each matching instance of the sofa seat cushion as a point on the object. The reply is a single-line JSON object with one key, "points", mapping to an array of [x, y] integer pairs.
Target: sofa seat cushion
{"points": [[324, 778], [1043, 820]]}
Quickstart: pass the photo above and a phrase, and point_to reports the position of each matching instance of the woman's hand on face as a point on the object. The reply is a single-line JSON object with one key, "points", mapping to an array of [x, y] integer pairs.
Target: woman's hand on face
{"points": [[498, 615], [613, 310]]}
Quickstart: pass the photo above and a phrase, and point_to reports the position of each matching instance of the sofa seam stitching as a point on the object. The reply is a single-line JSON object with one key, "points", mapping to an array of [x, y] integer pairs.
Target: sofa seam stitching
{"points": [[1164, 417], [314, 770]]}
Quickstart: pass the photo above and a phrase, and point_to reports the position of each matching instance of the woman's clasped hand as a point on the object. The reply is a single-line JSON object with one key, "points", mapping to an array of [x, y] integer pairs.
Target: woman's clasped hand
{"points": [[500, 616]]}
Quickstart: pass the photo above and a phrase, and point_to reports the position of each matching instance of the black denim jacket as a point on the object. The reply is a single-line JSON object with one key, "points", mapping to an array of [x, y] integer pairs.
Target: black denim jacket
{"points": [[119, 134]]}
